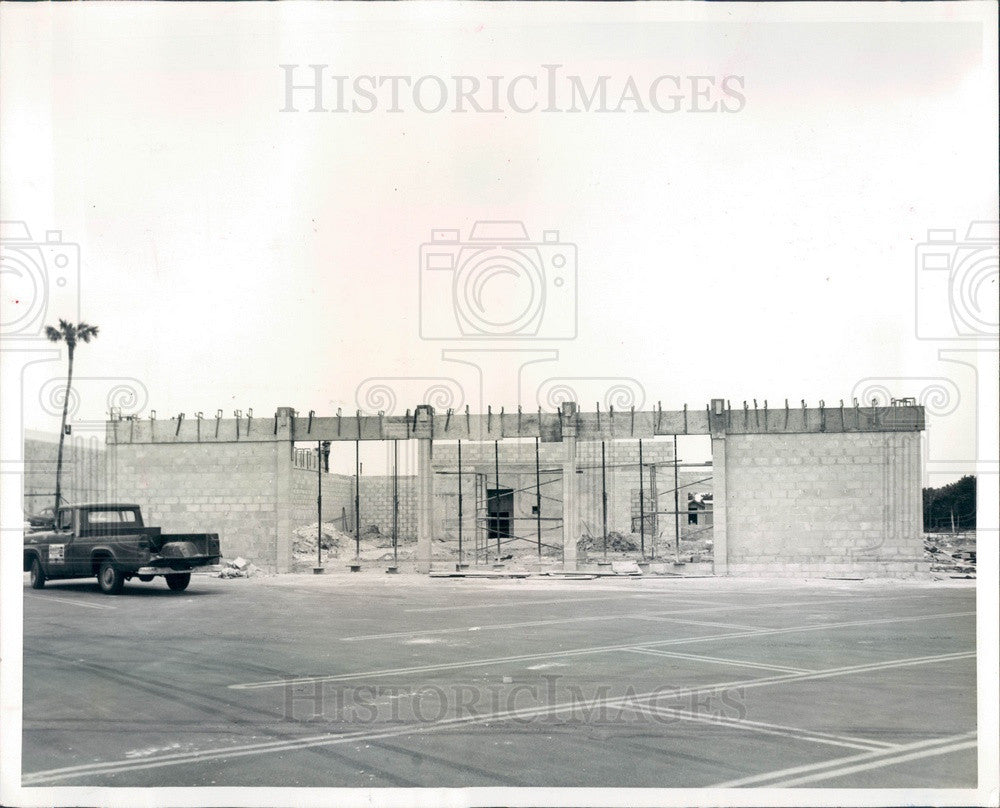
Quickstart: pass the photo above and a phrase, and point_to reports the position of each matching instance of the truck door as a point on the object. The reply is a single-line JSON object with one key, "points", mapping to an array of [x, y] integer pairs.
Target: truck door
{"points": [[59, 545], [77, 547]]}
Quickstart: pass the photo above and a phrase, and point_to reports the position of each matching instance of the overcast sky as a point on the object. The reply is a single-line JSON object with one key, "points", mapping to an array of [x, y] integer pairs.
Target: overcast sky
{"points": [[238, 256]]}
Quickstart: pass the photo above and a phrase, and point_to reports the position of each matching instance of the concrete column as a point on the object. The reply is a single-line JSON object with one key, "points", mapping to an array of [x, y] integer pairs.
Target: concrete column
{"points": [[284, 449], [424, 431], [915, 477], [570, 487], [720, 543]]}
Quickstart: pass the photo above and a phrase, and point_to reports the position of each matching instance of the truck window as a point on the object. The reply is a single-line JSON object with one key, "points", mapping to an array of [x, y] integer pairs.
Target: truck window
{"points": [[116, 516], [65, 521]]}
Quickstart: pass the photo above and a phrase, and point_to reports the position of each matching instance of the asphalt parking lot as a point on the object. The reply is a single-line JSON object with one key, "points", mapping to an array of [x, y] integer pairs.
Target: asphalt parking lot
{"points": [[372, 680]]}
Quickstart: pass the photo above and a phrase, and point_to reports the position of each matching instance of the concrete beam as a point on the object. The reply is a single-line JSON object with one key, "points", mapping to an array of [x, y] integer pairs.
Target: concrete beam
{"points": [[550, 427]]}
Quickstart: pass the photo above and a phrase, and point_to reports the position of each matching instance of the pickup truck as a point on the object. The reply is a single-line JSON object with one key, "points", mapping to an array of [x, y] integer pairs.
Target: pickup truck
{"points": [[110, 541]]}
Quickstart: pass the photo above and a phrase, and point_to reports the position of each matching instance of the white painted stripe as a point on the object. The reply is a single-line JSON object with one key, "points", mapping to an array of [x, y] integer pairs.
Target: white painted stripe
{"points": [[740, 663], [513, 603], [584, 619], [490, 627], [173, 759], [797, 733], [838, 764], [67, 600], [741, 626], [475, 663], [877, 764]]}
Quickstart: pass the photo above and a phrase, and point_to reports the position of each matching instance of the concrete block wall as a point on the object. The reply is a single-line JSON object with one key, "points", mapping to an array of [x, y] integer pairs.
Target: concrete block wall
{"points": [[338, 492], [376, 505], [338, 499], [824, 504], [84, 474], [815, 503], [233, 489]]}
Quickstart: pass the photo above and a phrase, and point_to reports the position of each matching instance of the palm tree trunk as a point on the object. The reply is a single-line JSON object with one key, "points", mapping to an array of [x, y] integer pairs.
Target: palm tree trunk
{"points": [[62, 430]]}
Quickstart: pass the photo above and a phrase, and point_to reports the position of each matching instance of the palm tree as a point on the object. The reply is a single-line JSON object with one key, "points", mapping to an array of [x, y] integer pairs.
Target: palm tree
{"points": [[71, 334]]}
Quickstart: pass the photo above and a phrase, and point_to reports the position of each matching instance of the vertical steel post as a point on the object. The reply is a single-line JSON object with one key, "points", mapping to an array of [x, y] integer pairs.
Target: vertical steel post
{"points": [[677, 507], [604, 502], [357, 500], [496, 493], [395, 503], [642, 508], [319, 504], [477, 523], [538, 500], [460, 559]]}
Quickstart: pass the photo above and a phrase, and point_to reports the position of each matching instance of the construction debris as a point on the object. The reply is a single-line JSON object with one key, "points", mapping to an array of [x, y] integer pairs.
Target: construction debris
{"points": [[239, 568], [625, 568], [953, 555]]}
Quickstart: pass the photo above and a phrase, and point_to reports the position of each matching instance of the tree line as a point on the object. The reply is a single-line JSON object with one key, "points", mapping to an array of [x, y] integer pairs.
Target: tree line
{"points": [[951, 507]]}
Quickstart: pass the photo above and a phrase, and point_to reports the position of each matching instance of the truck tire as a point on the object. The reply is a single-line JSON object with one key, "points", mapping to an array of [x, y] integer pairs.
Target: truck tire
{"points": [[110, 578], [37, 574], [178, 581]]}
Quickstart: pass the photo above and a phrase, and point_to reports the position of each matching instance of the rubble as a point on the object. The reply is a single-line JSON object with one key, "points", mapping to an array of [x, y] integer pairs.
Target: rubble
{"points": [[341, 547], [617, 543], [951, 554], [239, 568], [625, 568]]}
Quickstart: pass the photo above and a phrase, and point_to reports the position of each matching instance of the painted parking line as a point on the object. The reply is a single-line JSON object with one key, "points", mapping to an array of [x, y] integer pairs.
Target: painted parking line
{"points": [[646, 594], [630, 700], [727, 607], [507, 604], [780, 730], [488, 627], [68, 600], [742, 626], [878, 764], [739, 663], [599, 649], [391, 635], [800, 775]]}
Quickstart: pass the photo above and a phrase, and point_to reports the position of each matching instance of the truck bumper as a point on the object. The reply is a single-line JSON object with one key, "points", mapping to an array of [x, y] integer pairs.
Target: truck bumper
{"points": [[162, 570]]}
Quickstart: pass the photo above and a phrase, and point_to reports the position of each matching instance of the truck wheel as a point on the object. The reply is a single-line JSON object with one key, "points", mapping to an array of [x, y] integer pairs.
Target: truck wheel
{"points": [[37, 574], [178, 581], [146, 578], [110, 579]]}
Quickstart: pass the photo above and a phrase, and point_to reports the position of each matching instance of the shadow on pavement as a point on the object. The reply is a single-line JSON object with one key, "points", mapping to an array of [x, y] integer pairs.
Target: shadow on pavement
{"points": [[153, 589]]}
